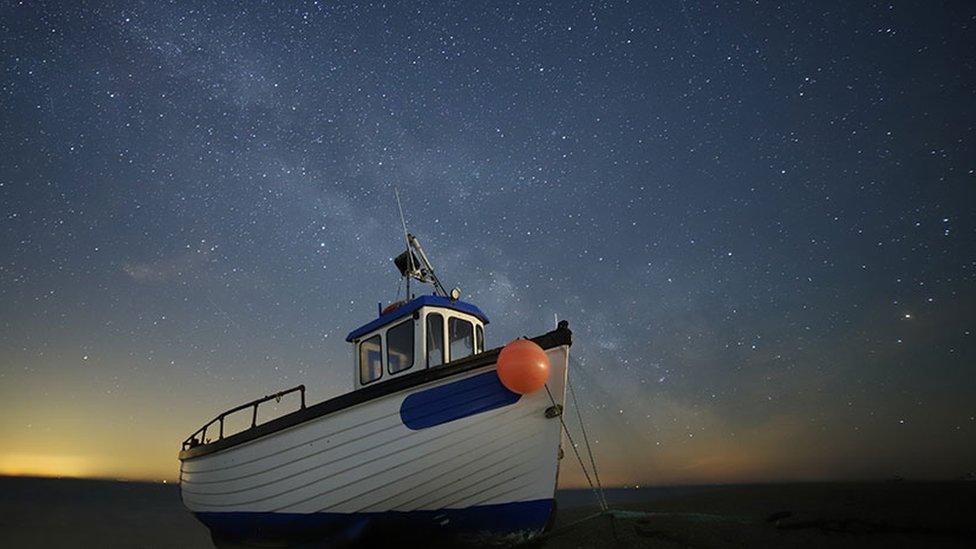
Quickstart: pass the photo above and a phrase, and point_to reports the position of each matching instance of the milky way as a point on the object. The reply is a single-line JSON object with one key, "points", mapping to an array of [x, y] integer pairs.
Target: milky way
{"points": [[760, 221]]}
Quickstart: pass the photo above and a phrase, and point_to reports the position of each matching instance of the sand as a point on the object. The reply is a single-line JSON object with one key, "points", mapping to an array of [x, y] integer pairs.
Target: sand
{"points": [[903, 514], [86, 513]]}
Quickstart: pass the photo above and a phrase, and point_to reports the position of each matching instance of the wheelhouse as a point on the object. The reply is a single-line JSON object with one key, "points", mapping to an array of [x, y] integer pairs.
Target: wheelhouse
{"points": [[422, 333]]}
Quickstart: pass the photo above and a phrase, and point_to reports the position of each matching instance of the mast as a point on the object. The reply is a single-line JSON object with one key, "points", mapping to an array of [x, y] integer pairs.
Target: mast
{"points": [[414, 263], [406, 237]]}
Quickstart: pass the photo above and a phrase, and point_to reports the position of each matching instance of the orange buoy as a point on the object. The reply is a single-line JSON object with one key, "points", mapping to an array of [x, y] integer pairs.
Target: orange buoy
{"points": [[523, 366]]}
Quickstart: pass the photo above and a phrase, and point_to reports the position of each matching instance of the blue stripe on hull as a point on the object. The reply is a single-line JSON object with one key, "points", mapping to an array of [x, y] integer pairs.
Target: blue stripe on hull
{"points": [[513, 522], [455, 400]]}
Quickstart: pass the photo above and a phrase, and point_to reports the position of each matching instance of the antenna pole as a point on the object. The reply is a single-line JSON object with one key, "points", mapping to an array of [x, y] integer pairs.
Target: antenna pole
{"points": [[417, 266], [415, 244], [406, 238]]}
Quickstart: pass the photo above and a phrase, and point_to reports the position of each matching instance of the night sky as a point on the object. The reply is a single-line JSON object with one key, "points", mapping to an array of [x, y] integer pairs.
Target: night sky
{"points": [[760, 221]]}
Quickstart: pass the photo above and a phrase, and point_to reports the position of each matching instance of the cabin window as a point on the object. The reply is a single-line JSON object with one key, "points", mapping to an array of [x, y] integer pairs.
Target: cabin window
{"points": [[435, 340], [479, 338], [399, 347], [370, 360], [462, 338]]}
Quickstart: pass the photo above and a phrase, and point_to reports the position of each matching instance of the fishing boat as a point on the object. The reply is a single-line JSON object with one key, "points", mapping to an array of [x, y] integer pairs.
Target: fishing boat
{"points": [[440, 438]]}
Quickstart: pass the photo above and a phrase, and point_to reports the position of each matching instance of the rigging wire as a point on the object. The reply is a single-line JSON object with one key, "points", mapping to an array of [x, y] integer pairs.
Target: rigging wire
{"points": [[586, 440], [406, 237], [399, 286], [572, 444]]}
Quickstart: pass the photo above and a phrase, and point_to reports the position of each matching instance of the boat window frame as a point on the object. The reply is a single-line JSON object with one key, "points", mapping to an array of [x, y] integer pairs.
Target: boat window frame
{"points": [[413, 346], [427, 339], [479, 338], [447, 332], [381, 348]]}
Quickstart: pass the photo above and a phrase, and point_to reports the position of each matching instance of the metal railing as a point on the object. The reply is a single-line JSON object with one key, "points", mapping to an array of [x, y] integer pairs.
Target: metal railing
{"points": [[193, 440]]}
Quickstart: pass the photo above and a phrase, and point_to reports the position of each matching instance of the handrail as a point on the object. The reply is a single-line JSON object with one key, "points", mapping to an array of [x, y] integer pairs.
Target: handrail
{"points": [[192, 441]]}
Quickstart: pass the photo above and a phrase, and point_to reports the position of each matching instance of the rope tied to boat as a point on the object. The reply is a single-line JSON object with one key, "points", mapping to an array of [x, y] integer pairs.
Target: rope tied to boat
{"points": [[586, 441], [596, 487]]}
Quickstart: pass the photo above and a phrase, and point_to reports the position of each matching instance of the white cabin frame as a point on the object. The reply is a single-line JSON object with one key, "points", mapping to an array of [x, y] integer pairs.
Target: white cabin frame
{"points": [[419, 320]]}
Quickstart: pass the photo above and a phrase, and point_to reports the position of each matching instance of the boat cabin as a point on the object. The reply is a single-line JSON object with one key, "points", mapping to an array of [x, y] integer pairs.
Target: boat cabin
{"points": [[424, 332]]}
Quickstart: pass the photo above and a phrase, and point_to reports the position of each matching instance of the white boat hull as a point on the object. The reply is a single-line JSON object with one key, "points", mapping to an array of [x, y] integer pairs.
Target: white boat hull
{"points": [[457, 455]]}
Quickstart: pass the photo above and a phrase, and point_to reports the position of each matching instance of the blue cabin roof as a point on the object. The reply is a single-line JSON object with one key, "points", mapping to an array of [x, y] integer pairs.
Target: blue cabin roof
{"points": [[413, 305]]}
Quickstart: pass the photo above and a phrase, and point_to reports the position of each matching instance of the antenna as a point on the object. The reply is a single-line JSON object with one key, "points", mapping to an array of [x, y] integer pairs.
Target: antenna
{"points": [[406, 238], [426, 272], [413, 263]]}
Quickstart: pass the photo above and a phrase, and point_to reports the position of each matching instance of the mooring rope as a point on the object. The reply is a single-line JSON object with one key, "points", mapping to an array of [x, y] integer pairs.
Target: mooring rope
{"points": [[586, 441], [600, 500]]}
